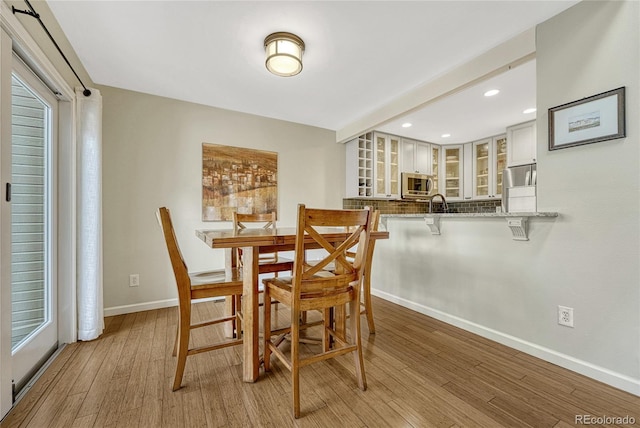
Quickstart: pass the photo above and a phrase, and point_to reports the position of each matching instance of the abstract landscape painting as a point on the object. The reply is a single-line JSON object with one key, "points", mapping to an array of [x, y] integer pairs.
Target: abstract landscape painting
{"points": [[237, 179]]}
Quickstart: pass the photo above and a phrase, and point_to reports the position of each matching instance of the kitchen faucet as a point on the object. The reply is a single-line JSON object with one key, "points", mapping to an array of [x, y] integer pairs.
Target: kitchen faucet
{"points": [[444, 203]]}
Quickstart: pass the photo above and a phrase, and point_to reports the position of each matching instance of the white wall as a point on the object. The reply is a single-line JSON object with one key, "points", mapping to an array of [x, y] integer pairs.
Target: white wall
{"points": [[475, 276], [153, 157]]}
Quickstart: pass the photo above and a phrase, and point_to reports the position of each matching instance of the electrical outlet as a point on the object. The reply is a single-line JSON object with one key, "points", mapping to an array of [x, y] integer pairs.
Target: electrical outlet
{"points": [[134, 280], [565, 316]]}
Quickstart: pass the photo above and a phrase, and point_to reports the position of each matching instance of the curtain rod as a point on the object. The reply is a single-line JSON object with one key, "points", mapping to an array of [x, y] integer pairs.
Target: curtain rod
{"points": [[32, 12]]}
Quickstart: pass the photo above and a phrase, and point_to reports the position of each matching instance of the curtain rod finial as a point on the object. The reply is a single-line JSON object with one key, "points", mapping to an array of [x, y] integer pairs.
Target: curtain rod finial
{"points": [[86, 92]]}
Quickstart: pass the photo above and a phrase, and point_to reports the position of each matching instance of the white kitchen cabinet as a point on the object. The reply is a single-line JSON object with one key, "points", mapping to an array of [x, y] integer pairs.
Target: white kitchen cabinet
{"points": [[489, 160], [416, 156], [452, 172], [521, 144], [359, 164], [386, 157]]}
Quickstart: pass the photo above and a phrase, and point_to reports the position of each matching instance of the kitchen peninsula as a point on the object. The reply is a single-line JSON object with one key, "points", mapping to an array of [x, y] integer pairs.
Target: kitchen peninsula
{"points": [[474, 263], [517, 222]]}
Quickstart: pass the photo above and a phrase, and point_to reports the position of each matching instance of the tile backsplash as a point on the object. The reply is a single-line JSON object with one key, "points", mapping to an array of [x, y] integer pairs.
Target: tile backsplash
{"points": [[411, 207]]}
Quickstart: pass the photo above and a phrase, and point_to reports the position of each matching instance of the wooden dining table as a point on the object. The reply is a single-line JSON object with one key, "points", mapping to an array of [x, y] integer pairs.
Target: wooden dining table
{"points": [[253, 242]]}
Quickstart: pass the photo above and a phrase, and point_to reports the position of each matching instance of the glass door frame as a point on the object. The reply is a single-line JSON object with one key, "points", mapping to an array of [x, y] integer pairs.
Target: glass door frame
{"points": [[14, 37]]}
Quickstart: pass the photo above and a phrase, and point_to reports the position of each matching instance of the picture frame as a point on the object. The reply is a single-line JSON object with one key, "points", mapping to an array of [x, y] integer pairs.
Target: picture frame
{"points": [[237, 179], [593, 119]]}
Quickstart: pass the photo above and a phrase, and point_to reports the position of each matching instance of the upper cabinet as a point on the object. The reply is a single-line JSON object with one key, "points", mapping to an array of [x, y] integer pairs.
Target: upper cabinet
{"points": [[521, 144], [470, 171], [387, 168], [416, 156], [359, 162]]}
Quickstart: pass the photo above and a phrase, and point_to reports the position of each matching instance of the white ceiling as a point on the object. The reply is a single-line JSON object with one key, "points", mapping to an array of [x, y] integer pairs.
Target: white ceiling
{"points": [[359, 56], [468, 115]]}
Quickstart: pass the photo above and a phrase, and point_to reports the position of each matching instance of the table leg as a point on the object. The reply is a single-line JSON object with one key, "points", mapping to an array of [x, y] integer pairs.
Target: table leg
{"points": [[250, 312]]}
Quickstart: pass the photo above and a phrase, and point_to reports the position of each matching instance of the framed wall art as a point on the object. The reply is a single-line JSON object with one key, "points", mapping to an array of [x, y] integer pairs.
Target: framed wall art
{"points": [[593, 119], [237, 179]]}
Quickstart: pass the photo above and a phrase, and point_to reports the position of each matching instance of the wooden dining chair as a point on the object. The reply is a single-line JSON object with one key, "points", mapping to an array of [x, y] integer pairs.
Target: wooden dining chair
{"points": [[311, 287], [192, 287], [268, 262]]}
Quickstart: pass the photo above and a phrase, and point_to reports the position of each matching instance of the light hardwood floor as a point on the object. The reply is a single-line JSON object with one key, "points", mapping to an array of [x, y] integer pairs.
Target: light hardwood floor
{"points": [[420, 373]]}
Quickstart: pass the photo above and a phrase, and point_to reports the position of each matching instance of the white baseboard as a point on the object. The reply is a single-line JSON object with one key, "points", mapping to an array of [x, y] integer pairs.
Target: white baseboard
{"points": [[147, 306], [139, 307], [617, 380]]}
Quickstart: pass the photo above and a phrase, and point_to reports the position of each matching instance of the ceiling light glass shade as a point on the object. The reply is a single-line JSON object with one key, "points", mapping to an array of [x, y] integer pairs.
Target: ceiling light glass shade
{"points": [[284, 54], [491, 92]]}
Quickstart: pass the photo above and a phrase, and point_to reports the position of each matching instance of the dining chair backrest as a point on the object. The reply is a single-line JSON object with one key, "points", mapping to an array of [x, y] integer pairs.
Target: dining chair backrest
{"points": [[367, 307], [178, 264], [240, 219], [346, 270], [269, 262]]}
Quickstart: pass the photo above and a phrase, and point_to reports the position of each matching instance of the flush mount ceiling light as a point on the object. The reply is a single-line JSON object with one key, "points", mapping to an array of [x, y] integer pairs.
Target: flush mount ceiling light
{"points": [[529, 110], [284, 54], [491, 93], [446, 135], [406, 125]]}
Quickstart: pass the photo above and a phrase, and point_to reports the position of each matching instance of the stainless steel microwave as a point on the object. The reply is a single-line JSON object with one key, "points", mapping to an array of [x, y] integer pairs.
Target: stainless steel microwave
{"points": [[417, 186]]}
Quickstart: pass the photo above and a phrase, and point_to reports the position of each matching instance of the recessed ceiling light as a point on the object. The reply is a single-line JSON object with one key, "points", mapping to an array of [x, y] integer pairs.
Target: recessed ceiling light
{"points": [[529, 110], [406, 125], [446, 135], [491, 93]]}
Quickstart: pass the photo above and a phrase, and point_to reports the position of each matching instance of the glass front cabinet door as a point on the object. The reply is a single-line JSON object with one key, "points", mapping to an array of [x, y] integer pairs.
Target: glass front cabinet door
{"points": [[500, 144], [481, 165], [387, 170], [489, 160], [435, 162], [452, 160]]}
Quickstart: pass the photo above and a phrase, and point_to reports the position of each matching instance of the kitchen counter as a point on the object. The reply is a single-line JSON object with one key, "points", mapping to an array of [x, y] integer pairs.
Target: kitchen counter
{"points": [[459, 215], [517, 222]]}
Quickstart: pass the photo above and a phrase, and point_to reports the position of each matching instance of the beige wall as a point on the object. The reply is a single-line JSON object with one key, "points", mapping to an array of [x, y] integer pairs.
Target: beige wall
{"points": [[152, 157], [595, 250]]}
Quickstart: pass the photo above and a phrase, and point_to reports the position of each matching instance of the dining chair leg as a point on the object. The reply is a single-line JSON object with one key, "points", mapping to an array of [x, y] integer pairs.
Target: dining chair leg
{"points": [[184, 331], [295, 362], [326, 338], [354, 323], [367, 303], [175, 342], [267, 329], [237, 321]]}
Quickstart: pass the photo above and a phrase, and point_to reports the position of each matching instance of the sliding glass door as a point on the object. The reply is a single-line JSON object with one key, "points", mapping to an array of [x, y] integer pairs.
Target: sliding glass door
{"points": [[32, 194]]}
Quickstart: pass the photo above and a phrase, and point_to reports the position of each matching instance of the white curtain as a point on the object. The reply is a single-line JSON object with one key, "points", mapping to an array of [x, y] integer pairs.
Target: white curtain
{"points": [[89, 215]]}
